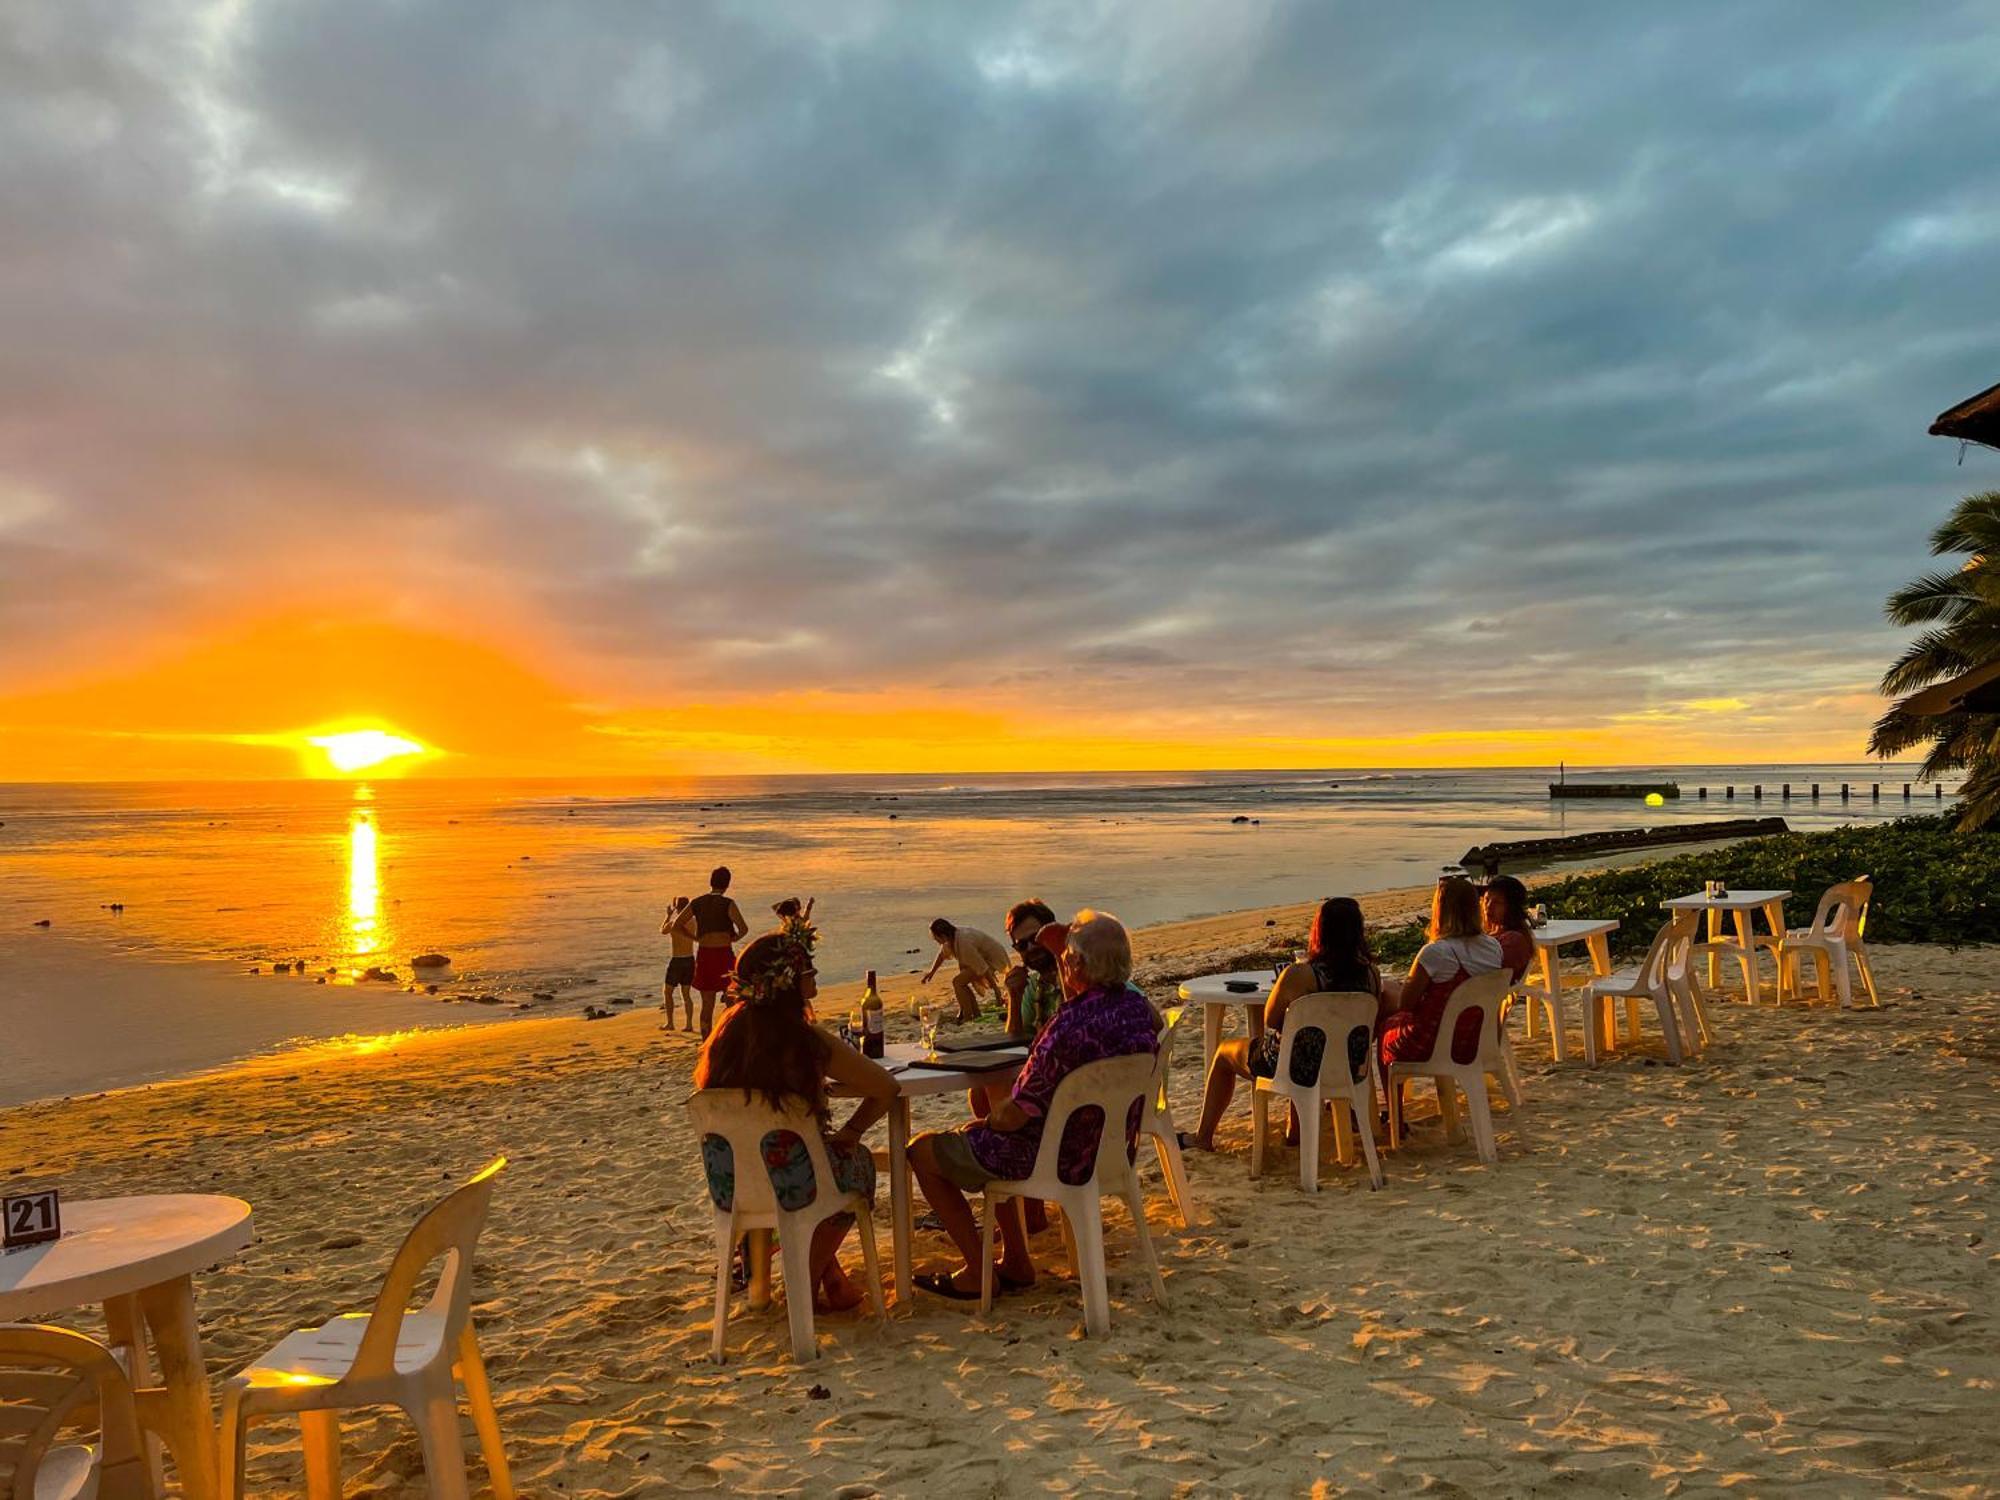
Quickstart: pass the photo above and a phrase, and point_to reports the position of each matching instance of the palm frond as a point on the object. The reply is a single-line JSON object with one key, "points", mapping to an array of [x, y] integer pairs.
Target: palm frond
{"points": [[1931, 657], [1973, 526], [1930, 597]]}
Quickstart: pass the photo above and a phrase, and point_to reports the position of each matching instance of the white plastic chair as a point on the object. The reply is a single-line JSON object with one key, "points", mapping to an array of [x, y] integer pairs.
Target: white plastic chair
{"points": [[744, 1121], [1112, 1086], [1158, 1120], [1336, 1016], [387, 1356], [1485, 991], [50, 1381], [1663, 977], [1833, 940]]}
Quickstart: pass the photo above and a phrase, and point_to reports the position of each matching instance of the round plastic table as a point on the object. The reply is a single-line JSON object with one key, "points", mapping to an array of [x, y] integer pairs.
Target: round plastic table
{"points": [[138, 1258], [1218, 994]]}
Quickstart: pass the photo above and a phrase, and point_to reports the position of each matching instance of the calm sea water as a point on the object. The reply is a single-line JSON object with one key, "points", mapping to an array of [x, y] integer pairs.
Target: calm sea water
{"points": [[535, 884]]}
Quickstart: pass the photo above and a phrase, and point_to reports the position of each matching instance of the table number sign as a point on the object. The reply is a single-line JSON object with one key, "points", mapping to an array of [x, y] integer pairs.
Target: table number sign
{"points": [[30, 1219]]}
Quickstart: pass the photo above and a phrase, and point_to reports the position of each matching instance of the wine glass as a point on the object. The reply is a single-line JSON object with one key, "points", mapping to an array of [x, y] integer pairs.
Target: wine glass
{"points": [[933, 1018]]}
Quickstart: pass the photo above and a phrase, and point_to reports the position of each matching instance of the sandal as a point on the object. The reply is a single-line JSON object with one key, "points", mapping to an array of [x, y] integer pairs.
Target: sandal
{"points": [[940, 1284]]}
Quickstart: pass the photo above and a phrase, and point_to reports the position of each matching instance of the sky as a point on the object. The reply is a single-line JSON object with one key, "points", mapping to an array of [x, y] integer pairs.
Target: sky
{"points": [[846, 386]]}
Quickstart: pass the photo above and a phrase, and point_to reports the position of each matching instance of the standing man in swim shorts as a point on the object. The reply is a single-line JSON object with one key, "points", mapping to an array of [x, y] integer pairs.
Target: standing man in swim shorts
{"points": [[680, 967], [716, 926]]}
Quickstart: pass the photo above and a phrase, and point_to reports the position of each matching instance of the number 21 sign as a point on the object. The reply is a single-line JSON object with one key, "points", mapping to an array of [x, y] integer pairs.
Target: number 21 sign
{"points": [[30, 1219]]}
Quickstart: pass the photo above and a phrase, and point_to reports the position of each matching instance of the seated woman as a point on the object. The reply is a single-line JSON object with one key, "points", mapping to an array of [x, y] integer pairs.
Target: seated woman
{"points": [[766, 1043], [1503, 906], [1459, 949], [1102, 1016], [1338, 960]]}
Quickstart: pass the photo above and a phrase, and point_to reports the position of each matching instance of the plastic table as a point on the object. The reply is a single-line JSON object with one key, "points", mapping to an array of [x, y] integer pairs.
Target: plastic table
{"points": [[914, 1083], [1743, 906], [138, 1258], [1594, 933], [1212, 993]]}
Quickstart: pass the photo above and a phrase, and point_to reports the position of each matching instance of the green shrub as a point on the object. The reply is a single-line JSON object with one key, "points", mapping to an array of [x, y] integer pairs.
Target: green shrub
{"points": [[1933, 884]]}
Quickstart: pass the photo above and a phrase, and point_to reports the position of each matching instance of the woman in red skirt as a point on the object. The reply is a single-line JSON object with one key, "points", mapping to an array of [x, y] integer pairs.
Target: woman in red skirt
{"points": [[1459, 948]]}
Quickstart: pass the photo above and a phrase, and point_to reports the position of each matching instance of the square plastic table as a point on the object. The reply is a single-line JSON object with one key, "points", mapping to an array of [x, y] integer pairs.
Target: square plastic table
{"points": [[916, 1083], [1595, 934], [1743, 906]]}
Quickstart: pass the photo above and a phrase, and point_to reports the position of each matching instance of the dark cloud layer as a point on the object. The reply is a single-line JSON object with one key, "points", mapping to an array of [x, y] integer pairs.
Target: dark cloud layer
{"points": [[1303, 365]]}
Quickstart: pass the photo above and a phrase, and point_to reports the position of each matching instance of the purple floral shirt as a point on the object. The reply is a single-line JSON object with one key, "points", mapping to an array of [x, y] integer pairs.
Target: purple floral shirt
{"points": [[1099, 1023]]}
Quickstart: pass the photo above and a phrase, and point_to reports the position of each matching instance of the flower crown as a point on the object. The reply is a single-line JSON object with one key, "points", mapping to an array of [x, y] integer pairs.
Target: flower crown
{"points": [[782, 976], [799, 928]]}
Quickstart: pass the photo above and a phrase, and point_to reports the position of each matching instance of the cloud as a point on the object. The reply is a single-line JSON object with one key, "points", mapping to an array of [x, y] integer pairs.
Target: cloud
{"points": [[1306, 369]]}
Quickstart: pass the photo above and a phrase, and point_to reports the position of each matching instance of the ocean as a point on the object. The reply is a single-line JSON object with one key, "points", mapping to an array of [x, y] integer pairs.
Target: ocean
{"points": [[537, 886]]}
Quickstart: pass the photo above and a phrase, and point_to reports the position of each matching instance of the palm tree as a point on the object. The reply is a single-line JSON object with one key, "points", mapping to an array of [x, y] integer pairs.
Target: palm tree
{"points": [[1960, 611]]}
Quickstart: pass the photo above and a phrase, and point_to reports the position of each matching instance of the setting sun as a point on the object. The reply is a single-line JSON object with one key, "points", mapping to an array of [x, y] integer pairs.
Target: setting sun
{"points": [[363, 749]]}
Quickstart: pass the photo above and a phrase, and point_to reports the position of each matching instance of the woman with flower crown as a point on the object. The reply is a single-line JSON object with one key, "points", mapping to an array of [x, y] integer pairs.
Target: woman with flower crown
{"points": [[766, 1043]]}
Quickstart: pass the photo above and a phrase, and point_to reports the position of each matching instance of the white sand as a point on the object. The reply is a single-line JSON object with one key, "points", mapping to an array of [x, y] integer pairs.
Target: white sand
{"points": [[1774, 1269]]}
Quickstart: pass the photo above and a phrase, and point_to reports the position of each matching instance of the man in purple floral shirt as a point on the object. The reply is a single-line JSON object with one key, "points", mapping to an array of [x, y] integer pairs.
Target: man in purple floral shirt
{"points": [[1102, 1016]]}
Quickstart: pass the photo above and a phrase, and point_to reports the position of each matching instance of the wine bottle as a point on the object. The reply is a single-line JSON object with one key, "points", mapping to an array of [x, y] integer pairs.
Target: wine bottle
{"points": [[872, 1019]]}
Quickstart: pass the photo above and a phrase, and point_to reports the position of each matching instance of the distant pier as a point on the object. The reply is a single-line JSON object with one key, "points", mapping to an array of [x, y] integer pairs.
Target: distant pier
{"points": [[1670, 790]]}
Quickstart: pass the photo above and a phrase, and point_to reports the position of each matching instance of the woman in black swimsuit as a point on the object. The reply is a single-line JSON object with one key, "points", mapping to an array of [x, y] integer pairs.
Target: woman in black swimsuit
{"points": [[1338, 962]]}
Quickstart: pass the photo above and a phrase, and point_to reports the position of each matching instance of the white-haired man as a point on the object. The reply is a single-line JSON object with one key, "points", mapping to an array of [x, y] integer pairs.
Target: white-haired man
{"points": [[1102, 1016]]}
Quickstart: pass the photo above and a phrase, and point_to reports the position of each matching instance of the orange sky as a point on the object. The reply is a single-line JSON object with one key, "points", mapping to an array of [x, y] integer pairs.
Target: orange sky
{"points": [[1258, 386], [240, 703]]}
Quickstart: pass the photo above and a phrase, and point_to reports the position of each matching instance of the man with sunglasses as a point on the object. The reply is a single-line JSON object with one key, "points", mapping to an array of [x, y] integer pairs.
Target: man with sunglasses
{"points": [[1033, 988]]}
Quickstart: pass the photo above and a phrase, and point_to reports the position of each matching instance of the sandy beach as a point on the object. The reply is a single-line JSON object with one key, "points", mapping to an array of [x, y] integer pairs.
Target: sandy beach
{"points": [[1773, 1268]]}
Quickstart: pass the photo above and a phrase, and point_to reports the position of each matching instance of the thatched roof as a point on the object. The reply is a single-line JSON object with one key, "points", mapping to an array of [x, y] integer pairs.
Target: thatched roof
{"points": [[1974, 692], [1973, 421]]}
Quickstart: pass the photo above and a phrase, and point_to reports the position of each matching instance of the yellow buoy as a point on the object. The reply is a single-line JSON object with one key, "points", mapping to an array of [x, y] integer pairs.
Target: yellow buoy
{"points": [[1654, 799]]}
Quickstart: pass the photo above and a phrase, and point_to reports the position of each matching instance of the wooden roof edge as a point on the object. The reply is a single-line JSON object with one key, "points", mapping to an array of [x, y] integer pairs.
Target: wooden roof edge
{"points": [[1983, 409]]}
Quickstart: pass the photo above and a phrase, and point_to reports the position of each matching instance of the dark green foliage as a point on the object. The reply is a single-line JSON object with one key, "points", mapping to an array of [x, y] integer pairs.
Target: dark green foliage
{"points": [[1933, 884], [1959, 610]]}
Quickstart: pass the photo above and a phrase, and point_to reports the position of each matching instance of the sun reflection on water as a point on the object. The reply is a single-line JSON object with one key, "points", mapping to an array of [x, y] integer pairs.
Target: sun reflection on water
{"points": [[364, 885]]}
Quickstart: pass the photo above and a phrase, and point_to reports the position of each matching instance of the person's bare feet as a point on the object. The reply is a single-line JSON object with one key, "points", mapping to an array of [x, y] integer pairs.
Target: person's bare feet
{"points": [[838, 1292]]}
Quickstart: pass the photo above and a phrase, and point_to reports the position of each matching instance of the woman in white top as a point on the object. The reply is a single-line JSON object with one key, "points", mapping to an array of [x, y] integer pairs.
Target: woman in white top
{"points": [[1459, 948], [981, 962]]}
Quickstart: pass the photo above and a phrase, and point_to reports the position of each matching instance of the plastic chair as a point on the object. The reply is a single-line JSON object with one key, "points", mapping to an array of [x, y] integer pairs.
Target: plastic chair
{"points": [[1485, 991], [1158, 1120], [1833, 940], [1685, 983], [1654, 979], [1531, 996], [387, 1356], [746, 1122], [1336, 1016], [1112, 1086], [50, 1381]]}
